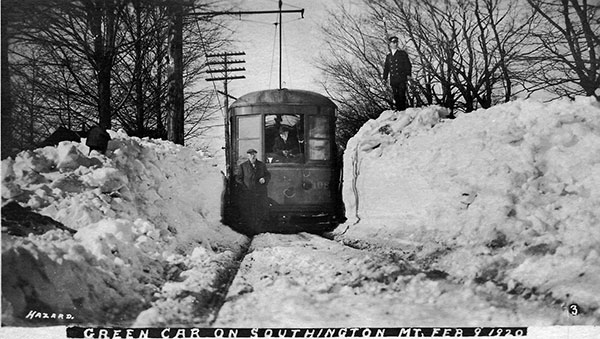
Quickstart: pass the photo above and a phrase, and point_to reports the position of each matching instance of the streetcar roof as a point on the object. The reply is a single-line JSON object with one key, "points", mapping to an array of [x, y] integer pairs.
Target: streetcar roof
{"points": [[282, 96]]}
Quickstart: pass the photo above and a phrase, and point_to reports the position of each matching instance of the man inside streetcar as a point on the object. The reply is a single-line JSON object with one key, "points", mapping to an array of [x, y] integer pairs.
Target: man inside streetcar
{"points": [[285, 145]]}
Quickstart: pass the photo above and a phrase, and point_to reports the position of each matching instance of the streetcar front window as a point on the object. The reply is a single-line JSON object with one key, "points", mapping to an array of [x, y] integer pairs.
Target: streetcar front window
{"points": [[318, 138], [284, 138], [248, 135]]}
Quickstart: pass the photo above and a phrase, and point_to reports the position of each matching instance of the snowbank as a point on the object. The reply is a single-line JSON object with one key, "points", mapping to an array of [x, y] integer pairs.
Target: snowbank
{"points": [[139, 212], [510, 194]]}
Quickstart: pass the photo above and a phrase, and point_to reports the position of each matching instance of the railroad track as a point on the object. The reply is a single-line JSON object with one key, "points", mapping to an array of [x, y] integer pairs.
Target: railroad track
{"points": [[305, 280]]}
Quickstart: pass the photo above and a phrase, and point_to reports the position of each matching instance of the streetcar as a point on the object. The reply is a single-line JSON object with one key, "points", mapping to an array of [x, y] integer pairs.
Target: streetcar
{"points": [[304, 193]]}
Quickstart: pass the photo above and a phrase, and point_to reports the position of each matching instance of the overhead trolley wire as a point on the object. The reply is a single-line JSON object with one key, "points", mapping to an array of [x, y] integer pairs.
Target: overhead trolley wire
{"points": [[285, 4], [256, 21]]}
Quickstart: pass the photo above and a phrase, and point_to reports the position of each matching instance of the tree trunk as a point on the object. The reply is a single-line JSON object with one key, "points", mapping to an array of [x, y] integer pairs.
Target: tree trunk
{"points": [[7, 137], [98, 11], [104, 96], [175, 124], [139, 99], [157, 92]]}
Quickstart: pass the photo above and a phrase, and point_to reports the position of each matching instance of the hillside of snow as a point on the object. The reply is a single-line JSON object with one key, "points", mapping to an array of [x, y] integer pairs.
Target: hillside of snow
{"points": [[507, 196], [145, 213]]}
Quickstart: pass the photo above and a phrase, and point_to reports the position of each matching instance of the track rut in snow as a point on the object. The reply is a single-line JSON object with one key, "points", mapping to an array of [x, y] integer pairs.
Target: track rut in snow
{"points": [[304, 280]]}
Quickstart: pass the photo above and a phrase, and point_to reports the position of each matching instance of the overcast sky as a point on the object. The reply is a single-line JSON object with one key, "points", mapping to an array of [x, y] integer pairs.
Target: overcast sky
{"points": [[257, 35]]}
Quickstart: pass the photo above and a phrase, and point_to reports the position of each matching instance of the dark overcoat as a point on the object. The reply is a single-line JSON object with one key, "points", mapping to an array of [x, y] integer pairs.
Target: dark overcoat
{"points": [[291, 144], [253, 201], [397, 66], [247, 176]]}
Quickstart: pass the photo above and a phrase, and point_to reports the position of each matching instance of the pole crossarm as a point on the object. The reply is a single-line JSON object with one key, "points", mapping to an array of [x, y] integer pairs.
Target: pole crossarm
{"points": [[227, 78], [223, 70], [301, 11], [225, 54], [225, 61], [228, 61], [280, 11]]}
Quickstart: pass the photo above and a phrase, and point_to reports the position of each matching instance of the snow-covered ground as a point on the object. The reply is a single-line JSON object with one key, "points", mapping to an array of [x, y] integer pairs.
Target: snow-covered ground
{"points": [[141, 213], [307, 281], [508, 195], [505, 201]]}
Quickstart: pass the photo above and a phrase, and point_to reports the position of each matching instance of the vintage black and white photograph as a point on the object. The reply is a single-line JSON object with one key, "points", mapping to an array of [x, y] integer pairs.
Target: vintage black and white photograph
{"points": [[300, 168]]}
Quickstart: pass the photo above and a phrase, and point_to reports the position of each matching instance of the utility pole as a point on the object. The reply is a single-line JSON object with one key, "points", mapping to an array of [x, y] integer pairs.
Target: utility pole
{"points": [[175, 127], [280, 11], [224, 61]]}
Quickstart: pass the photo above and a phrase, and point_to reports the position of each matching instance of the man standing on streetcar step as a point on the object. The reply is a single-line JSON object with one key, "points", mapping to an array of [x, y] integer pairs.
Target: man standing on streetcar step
{"points": [[398, 67], [252, 178]]}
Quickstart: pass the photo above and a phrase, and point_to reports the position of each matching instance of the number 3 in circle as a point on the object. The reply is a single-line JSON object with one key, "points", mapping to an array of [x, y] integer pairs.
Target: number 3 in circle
{"points": [[574, 309]]}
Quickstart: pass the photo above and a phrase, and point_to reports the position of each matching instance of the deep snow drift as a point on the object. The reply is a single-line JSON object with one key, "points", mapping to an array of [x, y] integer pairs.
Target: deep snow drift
{"points": [[510, 194], [140, 212]]}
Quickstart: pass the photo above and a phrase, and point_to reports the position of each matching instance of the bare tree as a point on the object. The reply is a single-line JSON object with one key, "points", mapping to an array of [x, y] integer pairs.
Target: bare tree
{"points": [[568, 46], [65, 70], [429, 44], [466, 52], [201, 36], [80, 36], [14, 14], [7, 103], [352, 66], [139, 76]]}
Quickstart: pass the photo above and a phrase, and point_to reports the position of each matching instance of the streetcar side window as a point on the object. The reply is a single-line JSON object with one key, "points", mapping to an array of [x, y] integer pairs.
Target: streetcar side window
{"points": [[318, 138], [284, 138], [248, 135]]}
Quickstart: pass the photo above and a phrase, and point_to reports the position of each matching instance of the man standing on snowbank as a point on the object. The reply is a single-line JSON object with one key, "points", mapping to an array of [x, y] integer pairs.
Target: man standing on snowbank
{"points": [[252, 178], [398, 67]]}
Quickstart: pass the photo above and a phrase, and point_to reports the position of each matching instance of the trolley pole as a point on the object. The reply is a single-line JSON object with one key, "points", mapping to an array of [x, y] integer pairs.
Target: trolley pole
{"points": [[280, 42], [280, 12], [223, 61]]}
